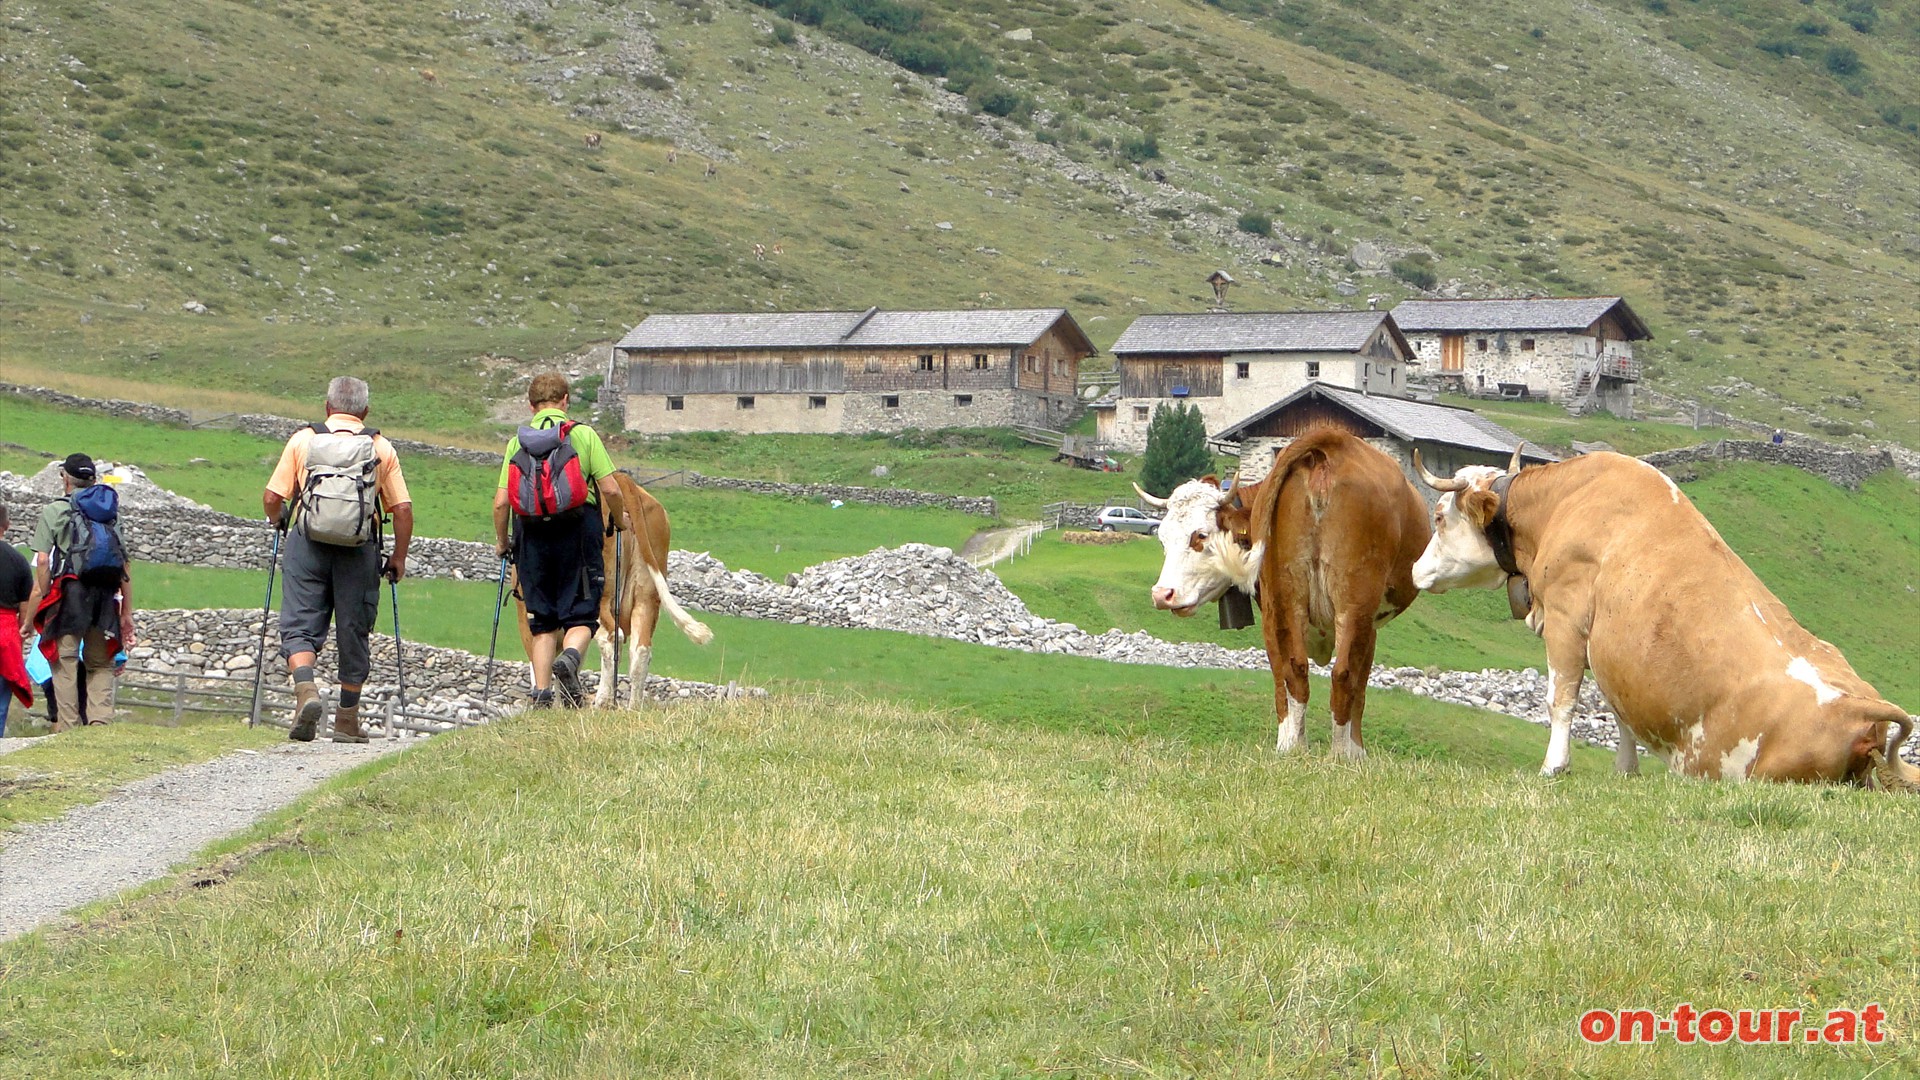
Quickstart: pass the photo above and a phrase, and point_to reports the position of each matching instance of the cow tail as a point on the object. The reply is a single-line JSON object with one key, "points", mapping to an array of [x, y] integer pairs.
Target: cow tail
{"points": [[1890, 773], [696, 631]]}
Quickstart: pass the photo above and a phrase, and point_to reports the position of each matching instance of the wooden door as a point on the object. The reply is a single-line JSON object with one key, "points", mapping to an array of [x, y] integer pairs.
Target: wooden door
{"points": [[1453, 352]]}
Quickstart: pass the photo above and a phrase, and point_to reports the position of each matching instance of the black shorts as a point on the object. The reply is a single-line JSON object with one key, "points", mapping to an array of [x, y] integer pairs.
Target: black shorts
{"points": [[560, 570]]}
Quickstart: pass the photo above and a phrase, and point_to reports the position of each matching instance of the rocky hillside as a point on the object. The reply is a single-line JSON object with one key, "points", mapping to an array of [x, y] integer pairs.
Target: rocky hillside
{"points": [[413, 187]]}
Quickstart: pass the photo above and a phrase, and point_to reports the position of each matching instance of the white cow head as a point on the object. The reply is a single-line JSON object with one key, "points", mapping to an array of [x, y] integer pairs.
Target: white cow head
{"points": [[1458, 556], [1204, 558]]}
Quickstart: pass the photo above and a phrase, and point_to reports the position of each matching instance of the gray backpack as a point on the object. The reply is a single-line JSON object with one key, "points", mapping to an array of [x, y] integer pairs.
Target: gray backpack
{"points": [[339, 501]]}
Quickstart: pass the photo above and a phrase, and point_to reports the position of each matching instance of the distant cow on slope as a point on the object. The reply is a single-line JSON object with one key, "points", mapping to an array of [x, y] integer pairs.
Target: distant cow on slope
{"points": [[642, 589], [1701, 662], [593, 140], [1327, 541]]}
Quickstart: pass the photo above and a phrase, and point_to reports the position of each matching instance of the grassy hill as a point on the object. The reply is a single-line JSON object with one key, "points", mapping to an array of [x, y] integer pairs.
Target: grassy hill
{"points": [[804, 888], [1740, 172]]}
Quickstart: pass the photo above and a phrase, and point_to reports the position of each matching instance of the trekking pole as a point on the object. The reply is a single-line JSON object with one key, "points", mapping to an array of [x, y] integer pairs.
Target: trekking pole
{"points": [[616, 617], [266, 608], [399, 653], [499, 604]]}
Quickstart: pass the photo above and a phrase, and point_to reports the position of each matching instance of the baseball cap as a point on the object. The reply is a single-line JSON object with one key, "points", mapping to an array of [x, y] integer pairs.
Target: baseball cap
{"points": [[78, 466]]}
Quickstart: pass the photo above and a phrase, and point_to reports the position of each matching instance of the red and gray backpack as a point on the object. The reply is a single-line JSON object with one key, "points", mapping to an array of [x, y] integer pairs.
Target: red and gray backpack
{"points": [[544, 479]]}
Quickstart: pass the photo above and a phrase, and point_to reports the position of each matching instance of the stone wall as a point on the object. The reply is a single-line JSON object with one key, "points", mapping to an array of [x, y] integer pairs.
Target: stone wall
{"points": [[196, 536], [136, 410], [901, 497], [846, 412], [216, 649], [1847, 468]]}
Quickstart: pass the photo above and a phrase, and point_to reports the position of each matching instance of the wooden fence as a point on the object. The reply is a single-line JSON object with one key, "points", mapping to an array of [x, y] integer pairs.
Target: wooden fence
{"points": [[178, 693]]}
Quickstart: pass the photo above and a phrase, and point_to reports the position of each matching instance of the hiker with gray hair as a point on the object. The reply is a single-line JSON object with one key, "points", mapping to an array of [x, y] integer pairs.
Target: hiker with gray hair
{"points": [[337, 484]]}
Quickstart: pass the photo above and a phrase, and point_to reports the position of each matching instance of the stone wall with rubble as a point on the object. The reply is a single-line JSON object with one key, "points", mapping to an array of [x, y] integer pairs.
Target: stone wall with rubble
{"points": [[216, 649], [899, 497], [1847, 468]]}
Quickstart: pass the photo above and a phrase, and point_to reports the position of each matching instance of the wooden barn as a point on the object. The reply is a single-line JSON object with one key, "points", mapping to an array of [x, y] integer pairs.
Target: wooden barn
{"points": [[850, 371], [1447, 436]]}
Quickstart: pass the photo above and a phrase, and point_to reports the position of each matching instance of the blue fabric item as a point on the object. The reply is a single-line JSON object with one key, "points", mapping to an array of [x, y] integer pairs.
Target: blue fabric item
{"points": [[37, 667], [6, 702]]}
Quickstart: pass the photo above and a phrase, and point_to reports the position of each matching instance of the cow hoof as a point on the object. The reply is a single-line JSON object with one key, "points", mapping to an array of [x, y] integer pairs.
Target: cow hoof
{"points": [[1349, 752], [1551, 771], [1285, 745]]}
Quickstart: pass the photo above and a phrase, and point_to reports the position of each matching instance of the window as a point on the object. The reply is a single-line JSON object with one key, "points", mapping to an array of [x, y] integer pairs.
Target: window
{"points": [[1059, 365], [1526, 344], [891, 401], [743, 402], [1313, 369], [816, 401], [675, 404], [1480, 344], [926, 361], [980, 362], [1242, 370], [1033, 363], [963, 400], [873, 364], [1140, 412]]}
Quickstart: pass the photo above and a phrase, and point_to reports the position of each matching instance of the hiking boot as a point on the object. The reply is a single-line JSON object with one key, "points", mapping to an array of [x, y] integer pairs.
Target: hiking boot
{"points": [[542, 699], [346, 725], [566, 679], [306, 712]]}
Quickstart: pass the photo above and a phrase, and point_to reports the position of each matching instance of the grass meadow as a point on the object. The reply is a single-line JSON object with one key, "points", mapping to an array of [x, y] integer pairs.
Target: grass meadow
{"points": [[830, 886]]}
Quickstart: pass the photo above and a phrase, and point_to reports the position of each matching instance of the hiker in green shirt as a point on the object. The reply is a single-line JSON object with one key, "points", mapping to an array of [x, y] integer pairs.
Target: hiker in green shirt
{"points": [[557, 492]]}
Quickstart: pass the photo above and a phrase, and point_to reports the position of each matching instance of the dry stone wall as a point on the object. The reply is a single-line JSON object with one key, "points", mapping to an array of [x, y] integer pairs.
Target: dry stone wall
{"points": [[899, 497], [1847, 468], [217, 648]]}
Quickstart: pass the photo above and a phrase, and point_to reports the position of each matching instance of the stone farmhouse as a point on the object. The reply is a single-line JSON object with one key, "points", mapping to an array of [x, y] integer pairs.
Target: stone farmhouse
{"points": [[1234, 364], [1574, 350], [1447, 436], [850, 371]]}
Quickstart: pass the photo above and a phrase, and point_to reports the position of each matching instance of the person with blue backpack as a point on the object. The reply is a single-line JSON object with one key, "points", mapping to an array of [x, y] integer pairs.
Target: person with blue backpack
{"points": [[82, 591], [557, 493]]}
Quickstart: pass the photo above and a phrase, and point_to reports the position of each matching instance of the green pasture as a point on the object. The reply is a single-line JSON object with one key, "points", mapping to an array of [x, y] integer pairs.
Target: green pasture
{"points": [[837, 886]]}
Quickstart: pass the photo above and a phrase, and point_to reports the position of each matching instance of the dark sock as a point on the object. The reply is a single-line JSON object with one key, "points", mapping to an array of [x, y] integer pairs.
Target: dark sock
{"points": [[303, 673], [349, 698], [574, 654]]}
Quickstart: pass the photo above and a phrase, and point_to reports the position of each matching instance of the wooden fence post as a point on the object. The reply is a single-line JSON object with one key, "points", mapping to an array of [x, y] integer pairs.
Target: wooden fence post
{"points": [[179, 697]]}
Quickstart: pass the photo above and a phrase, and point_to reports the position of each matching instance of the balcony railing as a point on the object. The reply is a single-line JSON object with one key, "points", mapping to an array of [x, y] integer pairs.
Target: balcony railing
{"points": [[1620, 367]]}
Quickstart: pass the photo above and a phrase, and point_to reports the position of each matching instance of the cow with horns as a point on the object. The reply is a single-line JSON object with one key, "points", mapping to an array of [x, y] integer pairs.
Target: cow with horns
{"points": [[1702, 664], [1326, 543]]}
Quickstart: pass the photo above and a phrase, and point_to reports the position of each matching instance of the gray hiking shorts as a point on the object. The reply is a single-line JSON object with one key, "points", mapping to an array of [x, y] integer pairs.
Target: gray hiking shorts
{"points": [[321, 582]]}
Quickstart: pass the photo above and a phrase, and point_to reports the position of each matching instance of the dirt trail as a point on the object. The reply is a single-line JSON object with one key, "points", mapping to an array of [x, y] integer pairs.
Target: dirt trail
{"points": [[136, 834], [991, 545]]}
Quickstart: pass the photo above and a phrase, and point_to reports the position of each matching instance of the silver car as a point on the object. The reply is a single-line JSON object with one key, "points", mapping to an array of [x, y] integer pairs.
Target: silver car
{"points": [[1127, 519]]}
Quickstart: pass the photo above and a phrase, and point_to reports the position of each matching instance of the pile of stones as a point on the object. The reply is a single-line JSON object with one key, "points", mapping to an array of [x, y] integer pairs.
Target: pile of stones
{"points": [[217, 649]]}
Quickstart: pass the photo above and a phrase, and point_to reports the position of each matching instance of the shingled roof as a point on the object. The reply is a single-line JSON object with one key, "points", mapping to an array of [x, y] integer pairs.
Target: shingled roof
{"points": [[1546, 313], [1413, 421], [871, 328], [1255, 332]]}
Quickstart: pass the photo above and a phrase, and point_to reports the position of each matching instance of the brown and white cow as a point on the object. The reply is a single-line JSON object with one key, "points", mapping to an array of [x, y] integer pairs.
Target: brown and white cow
{"points": [[1700, 661], [643, 593], [1326, 541]]}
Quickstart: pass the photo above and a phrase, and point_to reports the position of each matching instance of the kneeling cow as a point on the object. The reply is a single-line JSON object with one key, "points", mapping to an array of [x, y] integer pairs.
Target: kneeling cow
{"points": [[1700, 661]]}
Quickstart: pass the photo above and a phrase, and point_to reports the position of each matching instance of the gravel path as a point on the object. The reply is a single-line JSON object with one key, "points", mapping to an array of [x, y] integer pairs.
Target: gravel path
{"points": [[140, 831], [8, 746], [989, 546]]}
